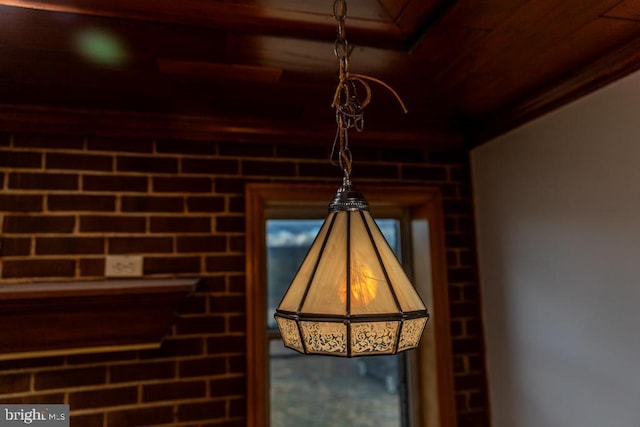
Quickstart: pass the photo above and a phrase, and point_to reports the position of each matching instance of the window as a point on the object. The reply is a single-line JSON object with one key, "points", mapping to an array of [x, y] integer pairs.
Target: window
{"points": [[287, 389]]}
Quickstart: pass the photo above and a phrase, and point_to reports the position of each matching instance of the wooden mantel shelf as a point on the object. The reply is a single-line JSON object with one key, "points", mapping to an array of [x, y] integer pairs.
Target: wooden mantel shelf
{"points": [[45, 319]]}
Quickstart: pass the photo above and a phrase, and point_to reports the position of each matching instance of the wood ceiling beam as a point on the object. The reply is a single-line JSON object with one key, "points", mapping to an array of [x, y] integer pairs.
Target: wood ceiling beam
{"points": [[234, 17], [21, 118]]}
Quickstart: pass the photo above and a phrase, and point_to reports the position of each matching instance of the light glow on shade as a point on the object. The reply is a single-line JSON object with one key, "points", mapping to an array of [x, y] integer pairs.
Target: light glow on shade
{"points": [[101, 47], [364, 287]]}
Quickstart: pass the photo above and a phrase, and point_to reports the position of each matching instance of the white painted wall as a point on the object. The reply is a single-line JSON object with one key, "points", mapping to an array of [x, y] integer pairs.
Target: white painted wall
{"points": [[558, 211]]}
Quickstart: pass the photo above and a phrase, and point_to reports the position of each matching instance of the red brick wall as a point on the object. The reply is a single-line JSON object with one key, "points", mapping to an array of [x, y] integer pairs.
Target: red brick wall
{"points": [[67, 201]]}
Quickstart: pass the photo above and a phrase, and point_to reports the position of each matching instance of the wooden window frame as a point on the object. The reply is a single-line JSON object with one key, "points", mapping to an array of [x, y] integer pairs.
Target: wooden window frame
{"points": [[434, 378]]}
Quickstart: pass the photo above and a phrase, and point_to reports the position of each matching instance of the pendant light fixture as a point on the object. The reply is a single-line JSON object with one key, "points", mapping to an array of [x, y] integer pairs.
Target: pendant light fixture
{"points": [[350, 296]]}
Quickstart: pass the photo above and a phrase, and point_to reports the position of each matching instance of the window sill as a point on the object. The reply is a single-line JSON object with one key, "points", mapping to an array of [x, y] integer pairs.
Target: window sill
{"points": [[62, 318]]}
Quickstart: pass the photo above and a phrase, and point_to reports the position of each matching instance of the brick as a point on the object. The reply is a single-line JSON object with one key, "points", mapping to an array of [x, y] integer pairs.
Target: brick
{"points": [[467, 258], [66, 378], [230, 185], [237, 243], [227, 304], [457, 207], [212, 284], [202, 411], [237, 407], [377, 171], [180, 224], [15, 246], [39, 268], [202, 367], [201, 244], [462, 402], [467, 345], [457, 275], [210, 166], [35, 399], [237, 364], [476, 364], [176, 347], [232, 423], [171, 265], [449, 156], [151, 204], [200, 325], [94, 358], [177, 390], [41, 362], [90, 420], [21, 203], [424, 173], [78, 162], [79, 203], [147, 164], [114, 183], [237, 323], [323, 169], [225, 263], [246, 150], [140, 245], [471, 293], [469, 382], [194, 305], [237, 283], [455, 293], [459, 240], [205, 204], [270, 169], [91, 267], [186, 147], [473, 419], [236, 204], [20, 159], [120, 144], [410, 155], [182, 185], [227, 344], [113, 224], [230, 224], [452, 259], [228, 387], [464, 310], [302, 151], [43, 181], [459, 173], [459, 365], [103, 398], [38, 224], [48, 141], [15, 383], [456, 328], [140, 417], [69, 245], [142, 371]]}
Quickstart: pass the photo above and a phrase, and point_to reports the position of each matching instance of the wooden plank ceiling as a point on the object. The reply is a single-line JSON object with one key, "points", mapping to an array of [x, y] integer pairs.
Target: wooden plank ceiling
{"points": [[467, 69]]}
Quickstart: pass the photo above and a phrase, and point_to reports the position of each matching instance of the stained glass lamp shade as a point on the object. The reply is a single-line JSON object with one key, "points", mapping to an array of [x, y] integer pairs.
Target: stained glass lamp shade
{"points": [[350, 296]]}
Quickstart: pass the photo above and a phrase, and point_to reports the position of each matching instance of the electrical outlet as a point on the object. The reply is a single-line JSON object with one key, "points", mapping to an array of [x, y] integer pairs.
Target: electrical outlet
{"points": [[123, 266]]}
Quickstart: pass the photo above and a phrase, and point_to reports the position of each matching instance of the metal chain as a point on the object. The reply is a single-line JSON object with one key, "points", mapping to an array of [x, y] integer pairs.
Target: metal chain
{"points": [[349, 104]]}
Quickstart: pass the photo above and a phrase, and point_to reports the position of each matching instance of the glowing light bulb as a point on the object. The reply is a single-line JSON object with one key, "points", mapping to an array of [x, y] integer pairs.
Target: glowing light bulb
{"points": [[364, 287]]}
